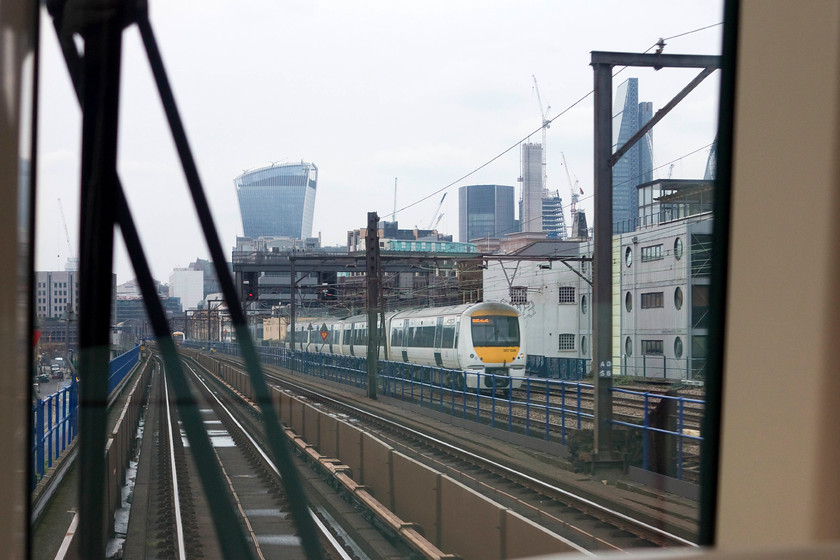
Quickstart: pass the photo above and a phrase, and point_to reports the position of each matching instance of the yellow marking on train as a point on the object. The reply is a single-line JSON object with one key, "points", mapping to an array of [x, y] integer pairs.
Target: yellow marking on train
{"points": [[497, 354], [502, 312]]}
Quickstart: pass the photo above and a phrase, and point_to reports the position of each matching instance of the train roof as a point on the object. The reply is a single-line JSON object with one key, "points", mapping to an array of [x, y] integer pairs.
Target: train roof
{"points": [[424, 312]]}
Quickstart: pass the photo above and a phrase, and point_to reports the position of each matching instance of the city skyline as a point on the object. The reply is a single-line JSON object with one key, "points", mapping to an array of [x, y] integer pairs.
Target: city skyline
{"points": [[416, 113]]}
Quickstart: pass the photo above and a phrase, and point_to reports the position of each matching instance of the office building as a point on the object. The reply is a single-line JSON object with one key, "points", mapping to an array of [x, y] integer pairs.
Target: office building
{"points": [[530, 203], [188, 285], [553, 221], [56, 294], [278, 201], [636, 166], [485, 211]]}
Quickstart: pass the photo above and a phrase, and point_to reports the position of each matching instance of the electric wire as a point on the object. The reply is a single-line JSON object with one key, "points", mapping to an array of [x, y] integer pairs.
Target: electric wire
{"points": [[527, 136]]}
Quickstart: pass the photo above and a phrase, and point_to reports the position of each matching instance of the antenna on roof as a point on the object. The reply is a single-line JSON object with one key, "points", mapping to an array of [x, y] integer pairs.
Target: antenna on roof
{"points": [[394, 215]]}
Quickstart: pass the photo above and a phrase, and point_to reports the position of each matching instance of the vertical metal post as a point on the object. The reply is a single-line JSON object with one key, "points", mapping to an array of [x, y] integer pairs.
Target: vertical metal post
{"points": [[101, 78], [372, 272], [602, 264], [39, 438], [292, 309]]}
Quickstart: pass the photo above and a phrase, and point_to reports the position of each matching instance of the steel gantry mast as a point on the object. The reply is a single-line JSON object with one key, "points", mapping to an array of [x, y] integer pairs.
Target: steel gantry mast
{"points": [[605, 159]]}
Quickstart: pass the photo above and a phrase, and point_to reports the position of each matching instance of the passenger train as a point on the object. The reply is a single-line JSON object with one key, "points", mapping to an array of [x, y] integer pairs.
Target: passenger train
{"points": [[477, 338]]}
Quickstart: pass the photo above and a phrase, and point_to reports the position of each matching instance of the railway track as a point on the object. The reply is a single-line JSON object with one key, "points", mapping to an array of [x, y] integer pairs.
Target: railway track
{"points": [[177, 523], [579, 519]]}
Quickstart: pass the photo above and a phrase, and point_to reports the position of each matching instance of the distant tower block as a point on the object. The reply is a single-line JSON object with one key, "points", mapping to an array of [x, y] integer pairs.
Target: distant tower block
{"points": [[278, 201], [530, 204]]}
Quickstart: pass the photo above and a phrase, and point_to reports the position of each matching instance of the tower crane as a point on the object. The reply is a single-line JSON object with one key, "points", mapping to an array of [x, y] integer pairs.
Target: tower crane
{"points": [[71, 258], [433, 223], [574, 187], [545, 124]]}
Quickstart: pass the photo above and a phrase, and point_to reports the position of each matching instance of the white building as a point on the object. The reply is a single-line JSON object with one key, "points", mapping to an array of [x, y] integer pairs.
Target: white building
{"points": [[56, 293], [661, 276], [187, 285], [554, 297]]}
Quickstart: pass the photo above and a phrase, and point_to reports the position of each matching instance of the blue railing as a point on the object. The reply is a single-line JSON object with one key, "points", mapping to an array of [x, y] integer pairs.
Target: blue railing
{"points": [[669, 419], [55, 426], [54, 418], [119, 367], [556, 401]]}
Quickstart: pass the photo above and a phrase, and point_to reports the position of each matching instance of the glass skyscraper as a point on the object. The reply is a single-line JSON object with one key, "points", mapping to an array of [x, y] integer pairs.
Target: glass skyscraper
{"points": [[485, 211], [636, 166], [278, 201]]}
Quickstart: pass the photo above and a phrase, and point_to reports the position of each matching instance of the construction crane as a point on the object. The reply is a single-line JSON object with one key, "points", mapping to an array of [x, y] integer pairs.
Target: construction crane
{"points": [[574, 187], [545, 124], [433, 222], [71, 258]]}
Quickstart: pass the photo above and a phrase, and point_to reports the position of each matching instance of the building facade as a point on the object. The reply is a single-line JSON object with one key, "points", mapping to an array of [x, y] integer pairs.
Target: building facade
{"points": [[278, 201], [553, 221], [554, 300], [636, 166], [660, 304], [485, 211], [530, 203], [56, 294], [188, 285]]}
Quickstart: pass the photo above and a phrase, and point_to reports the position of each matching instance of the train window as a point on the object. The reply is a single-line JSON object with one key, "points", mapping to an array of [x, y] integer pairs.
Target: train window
{"points": [[426, 336], [448, 336], [495, 331]]}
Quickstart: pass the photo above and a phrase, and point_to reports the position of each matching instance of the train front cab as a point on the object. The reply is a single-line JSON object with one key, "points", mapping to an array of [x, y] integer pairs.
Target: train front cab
{"points": [[492, 349]]}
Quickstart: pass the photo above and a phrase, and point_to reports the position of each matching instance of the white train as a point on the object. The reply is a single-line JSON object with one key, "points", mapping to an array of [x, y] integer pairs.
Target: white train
{"points": [[482, 340]]}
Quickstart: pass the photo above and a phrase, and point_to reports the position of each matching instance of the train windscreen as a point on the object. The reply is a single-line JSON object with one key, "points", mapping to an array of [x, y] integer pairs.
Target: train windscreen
{"points": [[495, 330]]}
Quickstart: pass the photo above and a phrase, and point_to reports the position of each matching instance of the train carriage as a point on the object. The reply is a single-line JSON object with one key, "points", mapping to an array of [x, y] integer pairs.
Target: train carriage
{"points": [[483, 340]]}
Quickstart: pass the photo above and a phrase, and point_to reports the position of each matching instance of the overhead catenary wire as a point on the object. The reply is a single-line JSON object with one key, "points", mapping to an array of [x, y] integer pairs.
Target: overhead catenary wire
{"points": [[545, 124]]}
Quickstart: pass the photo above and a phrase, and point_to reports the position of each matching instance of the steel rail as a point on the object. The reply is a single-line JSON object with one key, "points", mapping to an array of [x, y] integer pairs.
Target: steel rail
{"points": [[595, 509], [179, 526], [324, 531]]}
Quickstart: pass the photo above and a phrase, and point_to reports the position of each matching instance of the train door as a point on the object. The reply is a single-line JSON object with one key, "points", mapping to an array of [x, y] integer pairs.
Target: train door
{"points": [[447, 342], [406, 341], [437, 343]]}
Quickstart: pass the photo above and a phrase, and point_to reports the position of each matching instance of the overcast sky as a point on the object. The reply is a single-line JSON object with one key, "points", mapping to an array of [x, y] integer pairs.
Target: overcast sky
{"points": [[369, 91]]}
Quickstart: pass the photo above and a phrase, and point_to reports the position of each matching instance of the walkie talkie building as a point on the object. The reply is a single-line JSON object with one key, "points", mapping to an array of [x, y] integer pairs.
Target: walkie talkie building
{"points": [[278, 201]]}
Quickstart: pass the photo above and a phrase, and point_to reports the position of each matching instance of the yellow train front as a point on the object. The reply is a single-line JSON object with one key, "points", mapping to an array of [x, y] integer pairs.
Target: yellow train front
{"points": [[494, 332]]}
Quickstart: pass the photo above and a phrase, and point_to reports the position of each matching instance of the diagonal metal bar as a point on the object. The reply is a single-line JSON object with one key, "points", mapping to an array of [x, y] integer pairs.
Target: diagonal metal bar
{"points": [[229, 530], [276, 439], [100, 111]]}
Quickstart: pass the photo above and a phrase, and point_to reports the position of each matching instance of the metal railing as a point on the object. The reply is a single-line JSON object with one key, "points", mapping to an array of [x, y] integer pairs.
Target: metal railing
{"points": [[551, 404], [55, 417], [54, 427], [555, 406], [664, 421]]}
